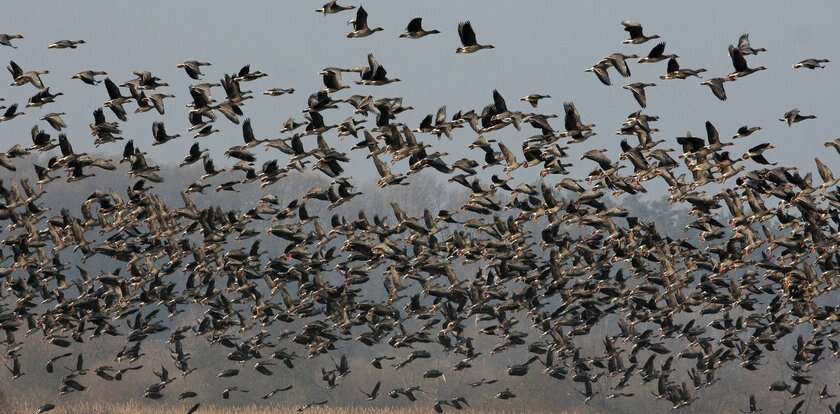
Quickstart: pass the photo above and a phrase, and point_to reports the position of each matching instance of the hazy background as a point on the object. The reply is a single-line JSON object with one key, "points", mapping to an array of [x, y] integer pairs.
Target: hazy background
{"points": [[541, 47]]}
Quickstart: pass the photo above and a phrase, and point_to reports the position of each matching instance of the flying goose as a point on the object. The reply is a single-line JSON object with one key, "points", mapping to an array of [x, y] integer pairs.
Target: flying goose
{"points": [[159, 134], [193, 68], [638, 91], [740, 64], [634, 29], [468, 39], [674, 71], [11, 113], [6, 39], [375, 74], [657, 54], [716, 86], [414, 29], [600, 71], [278, 91], [89, 76], [794, 116], [745, 48], [811, 64], [55, 121], [332, 80], [534, 99], [66, 44], [332, 7], [619, 62], [745, 131], [22, 78], [360, 25]]}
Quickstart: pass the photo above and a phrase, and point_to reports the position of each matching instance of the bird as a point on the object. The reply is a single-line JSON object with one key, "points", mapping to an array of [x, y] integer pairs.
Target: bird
{"points": [[414, 30], [374, 392], [10, 113], [534, 99], [469, 44], [600, 71], [794, 116], [716, 86], [811, 64], [332, 7], [6, 39], [657, 54], [159, 134], [745, 48], [193, 68], [360, 25], [638, 91], [66, 44], [89, 76], [634, 29], [740, 64]]}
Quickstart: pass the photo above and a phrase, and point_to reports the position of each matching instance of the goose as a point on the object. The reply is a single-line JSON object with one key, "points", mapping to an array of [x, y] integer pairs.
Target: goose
{"points": [[6, 39], [42, 98], [619, 62], [756, 154], [66, 44], [638, 91], [826, 174], [245, 74], [22, 78], [657, 54], [278, 91], [745, 131], [193, 68], [375, 74], [716, 86], [794, 116], [332, 80], [360, 25], [55, 121], [740, 64], [745, 48], [11, 113], [468, 39], [89, 76], [811, 64], [600, 71], [159, 134], [634, 29], [333, 7], [414, 30], [674, 72], [193, 156], [833, 144], [534, 99]]}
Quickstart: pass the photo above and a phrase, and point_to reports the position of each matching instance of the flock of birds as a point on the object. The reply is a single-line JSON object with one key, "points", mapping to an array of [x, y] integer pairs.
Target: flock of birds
{"points": [[762, 256]]}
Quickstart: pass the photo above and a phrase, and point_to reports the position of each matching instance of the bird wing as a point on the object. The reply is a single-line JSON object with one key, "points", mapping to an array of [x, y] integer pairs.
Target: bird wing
{"points": [[712, 134], [466, 33], [744, 41], [247, 131], [113, 90], [738, 60], [657, 50], [361, 19], [415, 25], [632, 27], [673, 65]]}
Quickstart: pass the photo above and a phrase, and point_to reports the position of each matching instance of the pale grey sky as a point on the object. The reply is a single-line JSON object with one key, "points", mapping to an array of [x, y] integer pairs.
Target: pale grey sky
{"points": [[541, 46]]}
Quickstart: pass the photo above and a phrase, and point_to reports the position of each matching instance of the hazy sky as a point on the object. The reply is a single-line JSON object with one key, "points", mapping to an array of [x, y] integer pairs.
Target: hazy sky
{"points": [[541, 46]]}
